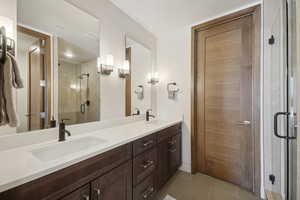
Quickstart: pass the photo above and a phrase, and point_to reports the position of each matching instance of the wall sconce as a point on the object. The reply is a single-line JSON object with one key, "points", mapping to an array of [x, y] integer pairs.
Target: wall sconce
{"points": [[125, 69], [106, 66], [172, 89], [7, 35], [153, 78]]}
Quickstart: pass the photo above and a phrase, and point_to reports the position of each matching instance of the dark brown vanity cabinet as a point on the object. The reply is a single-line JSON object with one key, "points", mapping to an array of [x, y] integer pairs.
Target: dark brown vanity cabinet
{"points": [[116, 184], [134, 171], [79, 194], [169, 154]]}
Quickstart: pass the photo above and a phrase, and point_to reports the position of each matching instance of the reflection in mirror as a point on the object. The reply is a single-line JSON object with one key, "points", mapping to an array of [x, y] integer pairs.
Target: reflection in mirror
{"points": [[138, 90], [78, 84], [58, 46]]}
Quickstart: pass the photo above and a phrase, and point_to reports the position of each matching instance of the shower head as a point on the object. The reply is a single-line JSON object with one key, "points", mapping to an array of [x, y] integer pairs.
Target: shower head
{"points": [[84, 75]]}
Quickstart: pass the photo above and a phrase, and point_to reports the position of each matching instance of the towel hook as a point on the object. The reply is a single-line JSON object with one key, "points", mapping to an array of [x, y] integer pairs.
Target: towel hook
{"points": [[3, 43]]}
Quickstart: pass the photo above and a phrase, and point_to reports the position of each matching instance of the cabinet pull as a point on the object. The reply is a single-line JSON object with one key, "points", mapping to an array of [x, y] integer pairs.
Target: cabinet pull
{"points": [[172, 150], [86, 197], [148, 192], [148, 143], [172, 142], [147, 164], [98, 193]]}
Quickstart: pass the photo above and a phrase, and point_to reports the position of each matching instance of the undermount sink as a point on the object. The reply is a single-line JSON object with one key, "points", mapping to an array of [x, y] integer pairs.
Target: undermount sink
{"points": [[64, 149]]}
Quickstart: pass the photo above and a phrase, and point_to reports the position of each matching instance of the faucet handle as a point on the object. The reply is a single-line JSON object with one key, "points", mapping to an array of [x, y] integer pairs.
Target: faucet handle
{"points": [[138, 112], [149, 110]]}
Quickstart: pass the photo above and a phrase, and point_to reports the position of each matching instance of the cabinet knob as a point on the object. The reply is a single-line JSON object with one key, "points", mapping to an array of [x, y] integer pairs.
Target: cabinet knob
{"points": [[147, 143], [86, 197], [172, 142], [147, 164], [172, 150], [98, 193], [148, 192]]}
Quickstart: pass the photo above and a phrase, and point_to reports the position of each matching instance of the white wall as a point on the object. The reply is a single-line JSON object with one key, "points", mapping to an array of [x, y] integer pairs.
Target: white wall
{"points": [[9, 9], [114, 26]]}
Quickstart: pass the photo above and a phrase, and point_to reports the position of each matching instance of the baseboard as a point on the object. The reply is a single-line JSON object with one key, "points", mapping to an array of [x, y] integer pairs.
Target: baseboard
{"points": [[273, 196], [186, 167]]}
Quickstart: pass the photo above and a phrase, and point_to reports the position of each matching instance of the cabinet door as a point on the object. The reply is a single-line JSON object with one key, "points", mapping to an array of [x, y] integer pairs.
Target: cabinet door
{"points": [[163, 162], [80, 194], [115, 185], [174, 150], [169, 158]]}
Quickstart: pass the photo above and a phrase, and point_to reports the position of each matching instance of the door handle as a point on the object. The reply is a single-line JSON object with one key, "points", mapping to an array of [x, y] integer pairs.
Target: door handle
{"points": [[244, 123], [276, 116]]}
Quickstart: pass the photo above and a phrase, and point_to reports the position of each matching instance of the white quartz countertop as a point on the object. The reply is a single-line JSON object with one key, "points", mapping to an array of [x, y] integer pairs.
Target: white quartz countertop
{"points": [[20, 165]]}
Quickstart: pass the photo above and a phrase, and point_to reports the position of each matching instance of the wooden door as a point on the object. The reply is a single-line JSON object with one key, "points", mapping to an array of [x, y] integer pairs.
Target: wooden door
{"points": [[224, 101], [36, 90], [116, 184]]}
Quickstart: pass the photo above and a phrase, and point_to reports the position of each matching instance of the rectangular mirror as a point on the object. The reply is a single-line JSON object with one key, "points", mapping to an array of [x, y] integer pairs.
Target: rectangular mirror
{"points": [[58, 47], [138, 90], [58, 53]]}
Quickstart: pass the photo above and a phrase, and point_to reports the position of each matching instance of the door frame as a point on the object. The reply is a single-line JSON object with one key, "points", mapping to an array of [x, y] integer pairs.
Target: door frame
{"points": [[48, 48], [128, 85], [255, 12]]}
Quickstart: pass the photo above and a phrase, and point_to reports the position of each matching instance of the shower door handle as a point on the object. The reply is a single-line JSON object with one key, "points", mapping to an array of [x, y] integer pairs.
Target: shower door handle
{"points": [[82, 108], [276, 116]]}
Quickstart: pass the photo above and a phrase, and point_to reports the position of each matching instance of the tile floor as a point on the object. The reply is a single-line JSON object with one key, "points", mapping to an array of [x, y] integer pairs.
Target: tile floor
{"points": [[184, 186]]}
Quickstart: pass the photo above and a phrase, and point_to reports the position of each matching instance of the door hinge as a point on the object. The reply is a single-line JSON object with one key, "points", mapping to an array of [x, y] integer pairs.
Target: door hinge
{"points": [[271, 40], [272, 178], [43, 115]]}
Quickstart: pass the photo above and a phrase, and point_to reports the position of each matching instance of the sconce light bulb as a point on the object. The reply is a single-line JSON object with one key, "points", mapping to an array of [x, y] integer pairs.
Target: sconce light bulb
{"points": [[69, 54], [110, 60], [126, 65]]}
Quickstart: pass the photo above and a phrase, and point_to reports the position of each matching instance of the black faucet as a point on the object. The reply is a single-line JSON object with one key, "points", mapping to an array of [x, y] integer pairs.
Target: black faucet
{"points": [[148, 115], [63, 131], [138, 112]]}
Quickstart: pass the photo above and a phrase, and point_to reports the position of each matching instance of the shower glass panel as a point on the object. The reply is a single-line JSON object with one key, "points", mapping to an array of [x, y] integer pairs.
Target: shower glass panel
{"points": [[78, 85]]}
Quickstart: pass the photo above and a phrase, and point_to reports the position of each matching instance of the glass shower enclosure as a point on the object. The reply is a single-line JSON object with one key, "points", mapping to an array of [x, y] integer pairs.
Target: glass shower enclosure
{"points": [[288, 116]]}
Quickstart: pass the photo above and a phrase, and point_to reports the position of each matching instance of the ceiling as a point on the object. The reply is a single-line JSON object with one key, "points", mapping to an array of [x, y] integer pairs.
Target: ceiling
{"points": [[159, 16], [57, 17]]}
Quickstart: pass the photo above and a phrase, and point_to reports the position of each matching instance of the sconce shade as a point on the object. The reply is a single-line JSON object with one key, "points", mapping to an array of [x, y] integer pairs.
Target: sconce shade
{"points": [[124, 70], [153, 78], [105, 65], [8, 24]]}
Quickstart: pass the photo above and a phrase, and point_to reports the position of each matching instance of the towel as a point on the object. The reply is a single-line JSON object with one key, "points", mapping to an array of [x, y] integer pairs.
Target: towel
{"points": [[9, 81]]}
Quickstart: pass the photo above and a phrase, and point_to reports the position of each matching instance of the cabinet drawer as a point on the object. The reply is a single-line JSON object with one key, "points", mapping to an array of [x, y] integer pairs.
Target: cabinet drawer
{"points": [[144, 165], [79, 194], [146, 190], [168, 132], [144, 144]]}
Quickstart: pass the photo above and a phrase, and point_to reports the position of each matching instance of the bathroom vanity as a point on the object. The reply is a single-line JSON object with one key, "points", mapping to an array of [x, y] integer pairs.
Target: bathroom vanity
{"points": [[134, 170]]}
